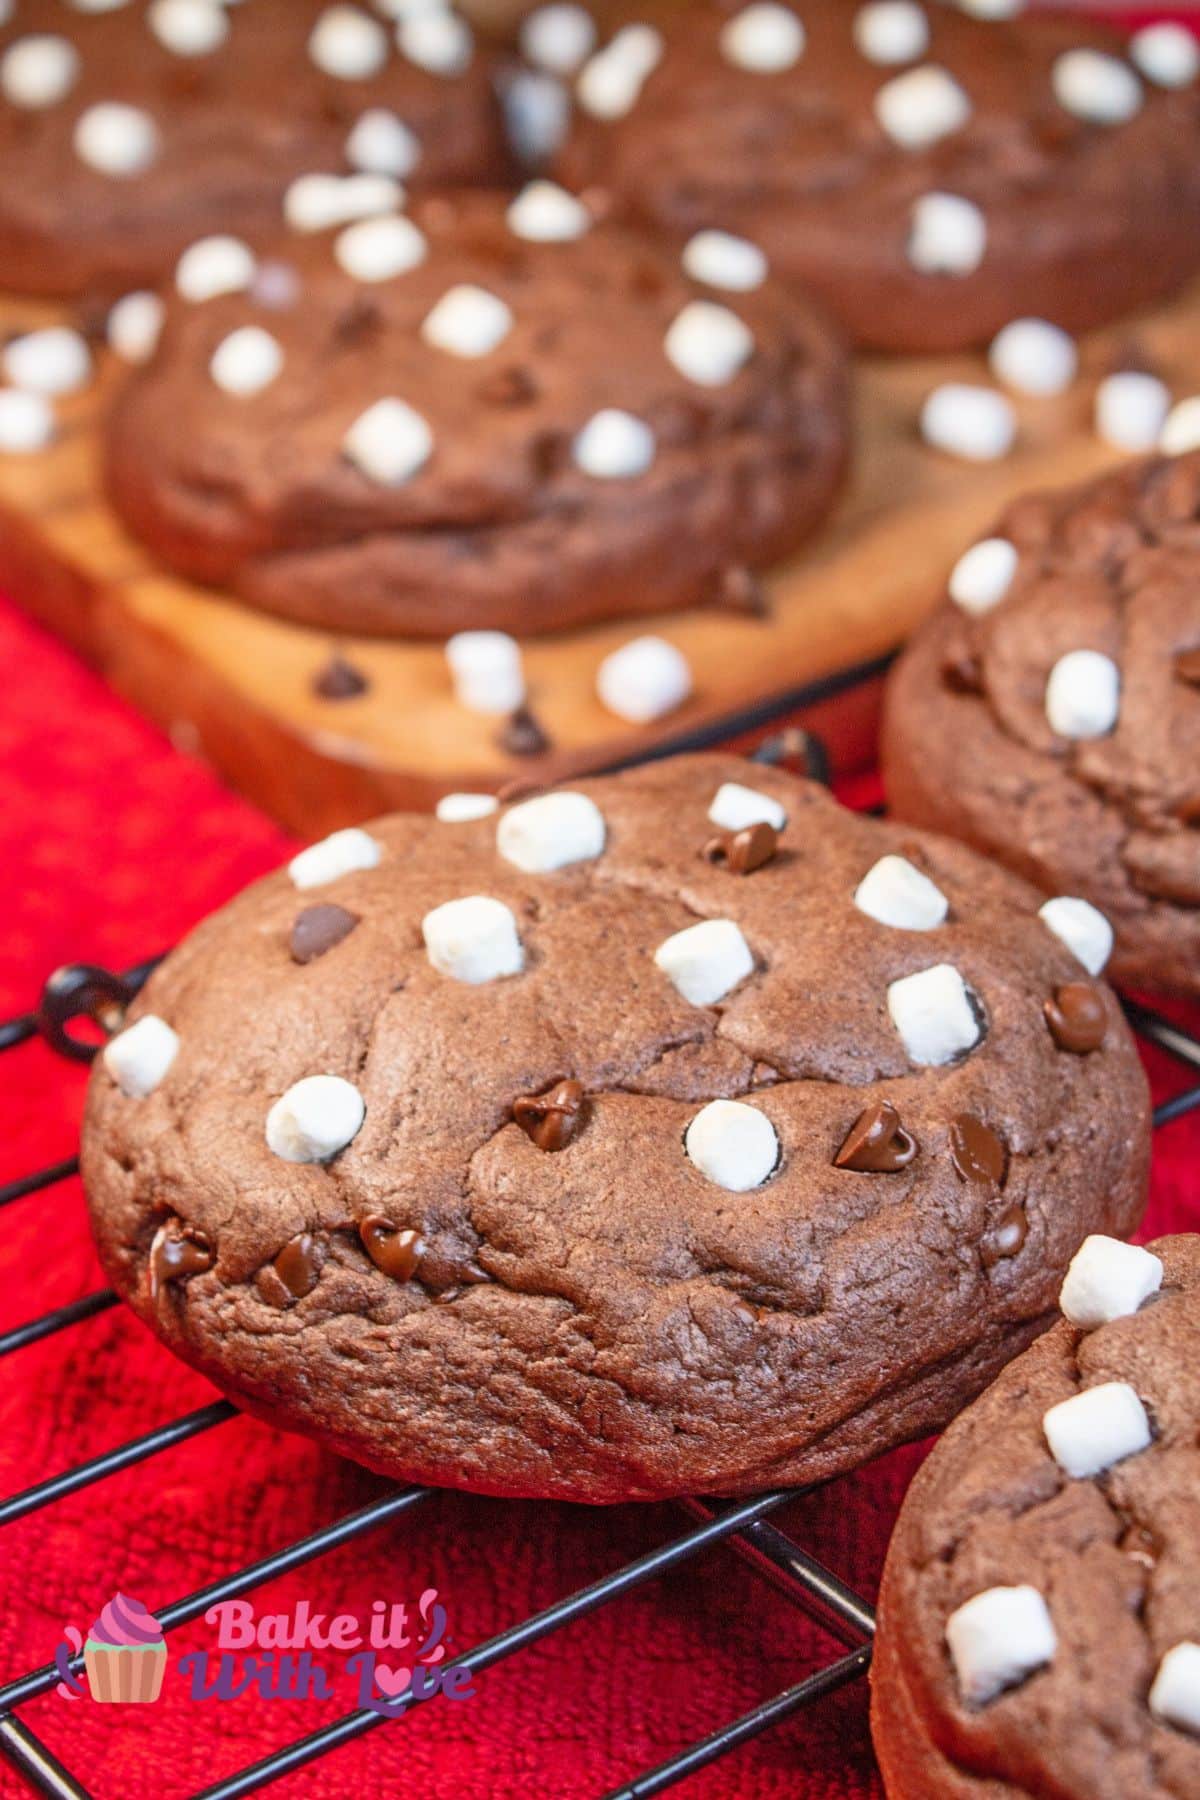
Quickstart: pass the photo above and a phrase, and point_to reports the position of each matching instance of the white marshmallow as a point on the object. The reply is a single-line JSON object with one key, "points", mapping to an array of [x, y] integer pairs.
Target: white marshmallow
{"points": [[1167, 54], [138, 1058], [380, 249], [246, 361], [116, 140], [467, 321], [473, 940], [609, 84], [380, 143], [644, 680], [316, 202], [103, 6], [896, 893], [348, 45], [1085, 931], [460, 809], [735, 807], [1175, 1693], [486, 669], [437, 41], [315, 1119], [537, 114], [342, 853], [558, 37], [1095, 1429], [1034, 357], [998, 1638], [734, 1145], [971, 422], [215, 265], [1097, 87], [708, 344], [706, 961], [26, 422], [55, 360], [389, 443], [544, 213], [948, 236], [764, 38], [891, 31], [1131, 410], [719, 259], [1181, 432], [613, 445], [1083, 695], [550, 832], [1107, 1280], [134, 326], [189, 27], [934, 1015], [920, 107], [991, 9], [38, 71], [983, 575]]}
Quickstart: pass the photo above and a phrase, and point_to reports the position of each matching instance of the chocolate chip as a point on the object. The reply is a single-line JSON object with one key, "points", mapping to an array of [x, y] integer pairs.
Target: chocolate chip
{"points": [[1187, 666], [977, 1153], [173, 1257], [1077, 1017], [550, 1120], [522, 735], [738, 590], [962, 672], [318, 928], [1006, 1237], [394, 1251], [877, 1143], [298, 1265], [339, 680], [358, 322], [508, 387], [800, 750]]}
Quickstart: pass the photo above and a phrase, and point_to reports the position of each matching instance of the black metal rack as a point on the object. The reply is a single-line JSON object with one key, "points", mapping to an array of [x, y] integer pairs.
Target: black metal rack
{"points": [[85, 994]]}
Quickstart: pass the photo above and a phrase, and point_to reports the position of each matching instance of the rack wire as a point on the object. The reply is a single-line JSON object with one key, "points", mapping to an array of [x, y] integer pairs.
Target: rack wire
{"points": [[78, 1007]]}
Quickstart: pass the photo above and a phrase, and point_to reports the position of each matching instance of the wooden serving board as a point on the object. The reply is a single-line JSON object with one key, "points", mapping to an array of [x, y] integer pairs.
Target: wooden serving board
{"points": [[237, 687]]}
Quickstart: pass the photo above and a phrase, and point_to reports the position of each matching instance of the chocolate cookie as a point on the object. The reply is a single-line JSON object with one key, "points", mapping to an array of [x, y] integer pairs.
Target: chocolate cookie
{"points": [[931, 175], [487, 412], [678, 1132], [1039, 1624], [129, 131], [1049, 713]]}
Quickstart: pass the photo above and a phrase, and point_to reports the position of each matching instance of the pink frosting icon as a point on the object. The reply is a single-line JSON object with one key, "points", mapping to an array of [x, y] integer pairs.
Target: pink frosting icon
{"points": [[125, 1655]]}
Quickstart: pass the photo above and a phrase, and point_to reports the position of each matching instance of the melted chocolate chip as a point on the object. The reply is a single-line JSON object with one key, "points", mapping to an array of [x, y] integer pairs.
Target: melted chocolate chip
{"points": [[738, 590], [1006, 1237], [962, 672], [522, 735], [174, 1258], [877, 1143], [551, 1120], [317, 929], [1077, 1017], [743, 851], [394, 1251], [298, 1265], [977, 1153], [1187, 666], [339, 680]]}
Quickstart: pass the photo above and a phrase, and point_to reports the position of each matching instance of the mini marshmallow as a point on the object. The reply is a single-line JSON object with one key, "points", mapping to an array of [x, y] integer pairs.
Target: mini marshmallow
{"points": [[380, 143], [992, 9], [891, 31], [315, 1119], [348, 45], [1097, 87], [983, 575], [734, 1145], [948, 236], [380, 249], [55, 360], [920, 107], [26, 422], [763, 38], [39, 71], [316, 202], [460, 809], [934, 1014], [437, 41], [467, 321], [971, 422], [1034, 357], [735, 808], [189, 27], [550, 832], [473, 940], [486, 669], [139, 1057], [708, 344], [1175, 1693], [719, 259], [389, 443], [609, 84], [644, 680], [1107, 1280], [1131, 410], [1095, 1429], [115, 139], [1083, 695], [544, 213], [896, 893], [1181, 432], [1167, 54], [215, 265], [1085, 931], [558, 38], [246, 361], [707, 961], [613, 445], [134, 326], [998, 1638], [342, 853]]}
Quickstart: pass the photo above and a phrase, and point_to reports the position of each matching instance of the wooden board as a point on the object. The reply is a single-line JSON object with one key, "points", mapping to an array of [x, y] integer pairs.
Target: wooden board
{"points": [[236, 686]]}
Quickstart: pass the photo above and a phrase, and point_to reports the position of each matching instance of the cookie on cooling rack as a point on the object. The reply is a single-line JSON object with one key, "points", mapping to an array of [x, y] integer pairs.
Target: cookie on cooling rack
{"points": [[487, 412], [129, 130], [679, 1132], [1039, 1623], [1049, 713], [930, 174]]}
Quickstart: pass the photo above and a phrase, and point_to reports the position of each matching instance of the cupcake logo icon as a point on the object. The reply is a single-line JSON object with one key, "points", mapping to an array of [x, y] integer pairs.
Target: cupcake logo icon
{"points": [[124, 1655]]}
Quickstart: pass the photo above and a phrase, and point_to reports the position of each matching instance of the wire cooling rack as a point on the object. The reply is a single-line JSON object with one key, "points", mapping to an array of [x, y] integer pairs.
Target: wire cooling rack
{"points": [[82, 1004]]}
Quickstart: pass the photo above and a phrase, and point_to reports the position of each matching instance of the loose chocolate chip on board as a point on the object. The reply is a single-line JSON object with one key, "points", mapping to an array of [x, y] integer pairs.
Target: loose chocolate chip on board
{"points": [[174, 1257], [977, 1153], [394, 1251], [297, 1265], [877, 1143], [317, 929], [1077, 1018], [743, 851], [739, 590], [551, 1120], [339, 680], [522, 735]]}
